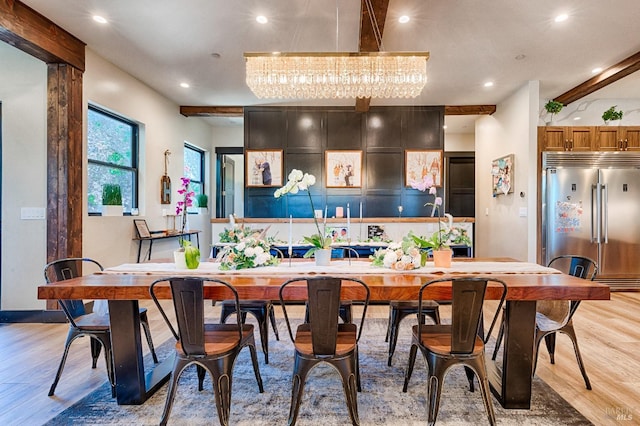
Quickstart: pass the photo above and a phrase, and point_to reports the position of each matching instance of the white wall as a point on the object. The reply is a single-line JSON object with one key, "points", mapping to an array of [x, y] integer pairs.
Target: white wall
{"points": [[459, 142], [23, 94], [501, 230], [590, 112], [109, 238]]}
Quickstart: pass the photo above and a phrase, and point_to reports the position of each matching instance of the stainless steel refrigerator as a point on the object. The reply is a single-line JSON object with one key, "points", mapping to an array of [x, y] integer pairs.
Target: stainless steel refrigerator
{"points": [[591, 207]]}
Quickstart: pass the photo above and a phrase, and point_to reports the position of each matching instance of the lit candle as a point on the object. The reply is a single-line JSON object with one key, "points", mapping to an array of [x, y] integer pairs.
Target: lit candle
{"points": [[348, 223], [290, 234]]}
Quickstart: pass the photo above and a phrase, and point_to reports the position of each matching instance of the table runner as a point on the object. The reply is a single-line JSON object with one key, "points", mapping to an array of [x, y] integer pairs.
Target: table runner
{"points": [[336, 267]]}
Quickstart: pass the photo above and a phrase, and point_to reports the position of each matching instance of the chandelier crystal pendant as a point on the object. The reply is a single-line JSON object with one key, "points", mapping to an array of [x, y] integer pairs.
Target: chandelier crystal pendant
{"points": [[320, 75]]}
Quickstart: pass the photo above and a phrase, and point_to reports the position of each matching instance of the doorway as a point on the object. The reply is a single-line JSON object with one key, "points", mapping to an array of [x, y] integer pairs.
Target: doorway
{"points": [[229, 181], [460, 180]]}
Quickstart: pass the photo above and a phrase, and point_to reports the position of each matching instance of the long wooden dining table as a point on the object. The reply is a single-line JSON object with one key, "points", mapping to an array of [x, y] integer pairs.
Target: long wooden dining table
{"points": [[511, 382]]}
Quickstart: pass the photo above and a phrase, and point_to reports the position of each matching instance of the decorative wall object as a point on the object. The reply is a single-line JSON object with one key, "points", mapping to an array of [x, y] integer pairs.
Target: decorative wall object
{"points": [[502, 174], [165, 181], [263, 168], [419, 164], [343, 169]]}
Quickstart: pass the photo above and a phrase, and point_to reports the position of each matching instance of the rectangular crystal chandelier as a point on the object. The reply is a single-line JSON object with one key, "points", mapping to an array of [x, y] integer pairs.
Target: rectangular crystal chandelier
{"points": [[320, 75]]}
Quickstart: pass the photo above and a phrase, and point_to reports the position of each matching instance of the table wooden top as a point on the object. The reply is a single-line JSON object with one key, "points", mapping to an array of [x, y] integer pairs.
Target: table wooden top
{"points": [[383, 286]]}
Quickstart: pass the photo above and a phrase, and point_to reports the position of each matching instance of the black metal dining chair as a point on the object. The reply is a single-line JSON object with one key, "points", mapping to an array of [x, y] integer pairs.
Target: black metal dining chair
{"points": [[458, 343], [323, 339], [83, 323], [212, 348], [556, 316]]}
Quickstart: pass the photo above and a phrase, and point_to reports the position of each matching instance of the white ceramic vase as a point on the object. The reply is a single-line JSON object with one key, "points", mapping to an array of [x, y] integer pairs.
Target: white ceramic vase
{"points": [[179, 259], [323, 257]]}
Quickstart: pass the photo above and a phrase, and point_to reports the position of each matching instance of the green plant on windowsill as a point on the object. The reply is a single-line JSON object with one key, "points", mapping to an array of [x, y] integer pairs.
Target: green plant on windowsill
{"points": [[202, 200], [111, 194], [612, 114]]}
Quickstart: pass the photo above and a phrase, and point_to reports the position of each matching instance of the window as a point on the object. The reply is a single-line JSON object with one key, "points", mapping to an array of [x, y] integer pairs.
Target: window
{"points": [[112, 154], [194, 167]]}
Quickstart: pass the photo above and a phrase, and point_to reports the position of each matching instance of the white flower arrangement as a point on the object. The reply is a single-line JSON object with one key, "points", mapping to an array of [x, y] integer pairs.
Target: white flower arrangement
{"points": [[399, 256], [249, 253]]}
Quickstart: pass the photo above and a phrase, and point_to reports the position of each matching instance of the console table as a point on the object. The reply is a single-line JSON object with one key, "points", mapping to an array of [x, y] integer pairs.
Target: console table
{"points": [[161, 235]]}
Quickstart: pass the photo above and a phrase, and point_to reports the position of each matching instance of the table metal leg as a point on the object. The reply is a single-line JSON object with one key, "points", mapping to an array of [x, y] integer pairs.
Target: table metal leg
{"points": [[512, 385], [132, 387]]}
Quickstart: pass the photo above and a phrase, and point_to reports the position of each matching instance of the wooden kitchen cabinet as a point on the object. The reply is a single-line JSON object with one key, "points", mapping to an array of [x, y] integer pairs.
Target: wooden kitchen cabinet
{"points": [[566, 138], [619, 138]]}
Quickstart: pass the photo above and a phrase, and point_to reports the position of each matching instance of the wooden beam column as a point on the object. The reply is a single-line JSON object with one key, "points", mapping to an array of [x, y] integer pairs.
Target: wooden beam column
{"points": [[64, 162]]}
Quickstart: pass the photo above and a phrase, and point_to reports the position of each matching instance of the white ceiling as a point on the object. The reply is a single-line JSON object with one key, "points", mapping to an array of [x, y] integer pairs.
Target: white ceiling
{"points": [[164, 43]]}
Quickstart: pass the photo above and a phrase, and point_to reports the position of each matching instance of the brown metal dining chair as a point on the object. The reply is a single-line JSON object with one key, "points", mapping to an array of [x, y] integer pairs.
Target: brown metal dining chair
{"points": [[556, 316], [211, 347], [83, 323], [400, 309], [458, 343], [262, 311], [323, 339]]}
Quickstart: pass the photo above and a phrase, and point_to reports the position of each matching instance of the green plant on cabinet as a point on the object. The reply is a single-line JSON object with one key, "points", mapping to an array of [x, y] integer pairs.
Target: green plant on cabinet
{"points": [[612, 114]]}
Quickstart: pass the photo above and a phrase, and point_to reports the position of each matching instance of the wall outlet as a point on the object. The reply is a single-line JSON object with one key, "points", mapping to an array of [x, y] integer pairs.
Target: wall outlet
{"points": [[33, 213]]}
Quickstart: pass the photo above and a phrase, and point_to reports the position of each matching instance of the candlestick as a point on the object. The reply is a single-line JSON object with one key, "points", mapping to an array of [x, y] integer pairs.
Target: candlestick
{"points": [[348, 223], [360, 211], [325, 215], [290, 250]]}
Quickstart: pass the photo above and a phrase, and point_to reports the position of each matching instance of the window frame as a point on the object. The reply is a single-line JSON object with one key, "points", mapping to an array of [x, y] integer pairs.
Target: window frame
{"points": [[135, 145], [201, 153]]}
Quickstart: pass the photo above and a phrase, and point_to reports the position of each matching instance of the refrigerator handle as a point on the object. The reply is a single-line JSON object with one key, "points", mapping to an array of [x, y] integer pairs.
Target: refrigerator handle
{"points": [[605, 209], [594, 212]]}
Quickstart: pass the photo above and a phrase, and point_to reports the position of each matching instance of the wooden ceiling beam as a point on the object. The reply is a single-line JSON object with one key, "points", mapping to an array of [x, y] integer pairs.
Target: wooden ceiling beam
{"points": [[610, 75], [368, 41], [469, 109], [212, 111], [29, 31]]}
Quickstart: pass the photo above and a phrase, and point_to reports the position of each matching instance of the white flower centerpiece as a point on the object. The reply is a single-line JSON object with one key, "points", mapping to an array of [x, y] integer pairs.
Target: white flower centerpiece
{"points": [[402, 256], [248, 253], [298, 181]]}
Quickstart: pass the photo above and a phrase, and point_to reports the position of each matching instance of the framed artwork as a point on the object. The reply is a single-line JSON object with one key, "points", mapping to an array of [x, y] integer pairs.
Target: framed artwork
{"points": [[142, 228], [502, 175], [263, 168], [418, 164], [343, 169]]}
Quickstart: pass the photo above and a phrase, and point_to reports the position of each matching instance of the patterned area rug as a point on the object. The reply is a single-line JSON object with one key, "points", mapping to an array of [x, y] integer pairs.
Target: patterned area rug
{"points": [[381, 401]]}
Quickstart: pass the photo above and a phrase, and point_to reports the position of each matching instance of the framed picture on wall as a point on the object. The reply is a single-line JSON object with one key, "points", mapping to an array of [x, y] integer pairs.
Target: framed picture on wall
{"points": [[263, 168], [502, 175], [343, 169], [423, 163]]}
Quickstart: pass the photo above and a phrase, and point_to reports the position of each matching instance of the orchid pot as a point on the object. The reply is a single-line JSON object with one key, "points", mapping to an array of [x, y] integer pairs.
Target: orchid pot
{"points": [[322, 256], [442, 257]]}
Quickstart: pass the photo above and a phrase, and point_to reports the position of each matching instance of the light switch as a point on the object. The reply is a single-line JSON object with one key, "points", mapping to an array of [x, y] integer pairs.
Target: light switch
{"points": [[32, 213], [522, 212]]}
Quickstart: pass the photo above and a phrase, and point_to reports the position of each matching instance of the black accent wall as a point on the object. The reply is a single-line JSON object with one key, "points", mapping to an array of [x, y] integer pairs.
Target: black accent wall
{"points": [[383, 134]]}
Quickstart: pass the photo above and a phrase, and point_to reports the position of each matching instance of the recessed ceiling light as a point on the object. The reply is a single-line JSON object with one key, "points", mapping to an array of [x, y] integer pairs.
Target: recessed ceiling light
{"points": [[215, 55], [488, 84], [403, 19], [185, 85], [562, 17], [520, 57], [577, 118], [596, 70], [99, 19], [444, 127], [261, 19]]}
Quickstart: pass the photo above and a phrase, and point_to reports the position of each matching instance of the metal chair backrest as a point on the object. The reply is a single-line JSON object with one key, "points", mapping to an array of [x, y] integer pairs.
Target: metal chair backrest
{"points": [[66, 269], [578, 266], [188, 301], [323, 296], [468, 294]]}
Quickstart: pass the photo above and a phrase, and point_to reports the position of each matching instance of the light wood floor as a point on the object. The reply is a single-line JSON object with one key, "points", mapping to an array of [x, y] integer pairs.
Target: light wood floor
{"points": [[608, 331]]}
